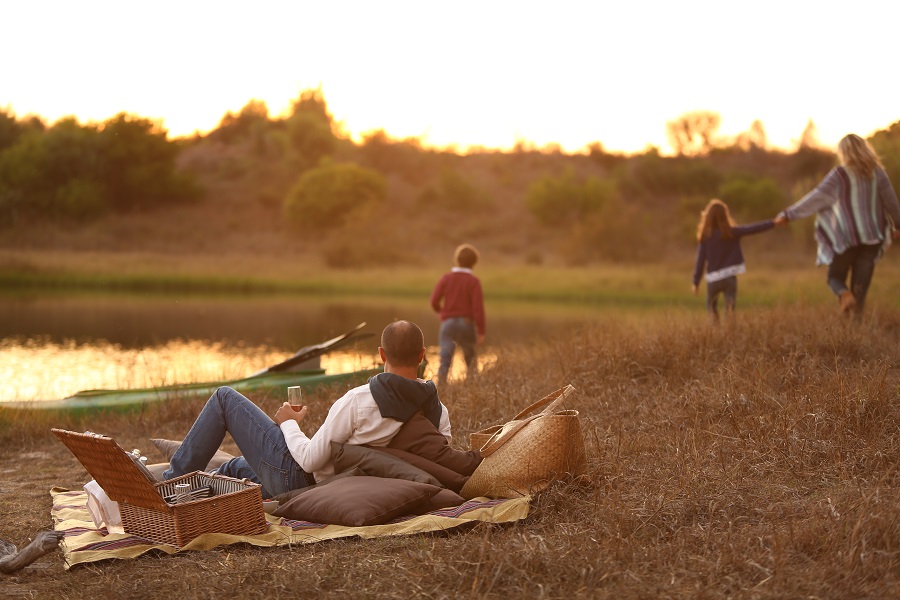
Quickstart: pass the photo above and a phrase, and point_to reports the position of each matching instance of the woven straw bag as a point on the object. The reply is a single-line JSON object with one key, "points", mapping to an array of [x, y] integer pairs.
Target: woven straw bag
{"points": [[523, 456], [480, 438]]}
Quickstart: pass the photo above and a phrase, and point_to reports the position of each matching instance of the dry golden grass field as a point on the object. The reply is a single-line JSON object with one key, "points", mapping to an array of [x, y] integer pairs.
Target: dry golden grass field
{"points": [[755, 460]]}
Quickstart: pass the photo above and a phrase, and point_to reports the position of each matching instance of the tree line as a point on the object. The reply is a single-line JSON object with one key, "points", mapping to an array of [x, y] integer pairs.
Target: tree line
{"points": [[69, 170], [322, 182]]}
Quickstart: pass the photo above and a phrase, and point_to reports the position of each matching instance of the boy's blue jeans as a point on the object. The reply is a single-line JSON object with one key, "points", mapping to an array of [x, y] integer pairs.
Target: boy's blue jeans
{"points": [[266, 459], [457, 331]]}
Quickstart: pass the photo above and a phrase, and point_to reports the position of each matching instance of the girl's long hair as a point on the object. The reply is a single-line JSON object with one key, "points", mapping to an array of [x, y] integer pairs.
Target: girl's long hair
{"points": [[856, 153], [715, 216]]}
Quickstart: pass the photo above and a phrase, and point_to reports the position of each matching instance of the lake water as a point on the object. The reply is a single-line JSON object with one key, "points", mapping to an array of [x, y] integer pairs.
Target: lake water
{"points": [[53, 345]]}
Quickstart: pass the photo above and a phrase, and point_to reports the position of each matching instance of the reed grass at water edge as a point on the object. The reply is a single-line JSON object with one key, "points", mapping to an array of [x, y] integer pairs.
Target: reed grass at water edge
{"points": [[753, 460]]}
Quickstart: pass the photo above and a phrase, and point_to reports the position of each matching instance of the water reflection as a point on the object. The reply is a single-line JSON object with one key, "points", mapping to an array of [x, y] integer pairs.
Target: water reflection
{"points": [[54, 346], [46, 370]]}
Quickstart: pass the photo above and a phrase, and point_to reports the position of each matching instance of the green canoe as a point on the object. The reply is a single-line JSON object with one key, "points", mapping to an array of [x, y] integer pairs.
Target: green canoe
{"points": [[274, 384], [272, 381]]}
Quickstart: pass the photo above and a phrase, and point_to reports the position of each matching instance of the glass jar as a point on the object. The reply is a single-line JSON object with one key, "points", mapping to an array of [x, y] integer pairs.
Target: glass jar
{"points": [[182, 493]]}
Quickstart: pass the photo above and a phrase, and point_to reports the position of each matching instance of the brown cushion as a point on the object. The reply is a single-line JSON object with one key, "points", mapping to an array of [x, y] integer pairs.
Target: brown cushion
{"points": [[448, 477], [168, 447], [357, 501], [419, 436], [287, 496], [443, 499], [158, 469], [377, 464]]}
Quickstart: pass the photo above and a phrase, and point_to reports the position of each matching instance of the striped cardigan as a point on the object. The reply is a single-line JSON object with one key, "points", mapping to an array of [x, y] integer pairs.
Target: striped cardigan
{"points": [[850, 211]]}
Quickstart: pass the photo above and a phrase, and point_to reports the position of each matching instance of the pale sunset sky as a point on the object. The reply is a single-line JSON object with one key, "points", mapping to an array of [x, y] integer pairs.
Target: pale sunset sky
{"points": [[464, 73]]}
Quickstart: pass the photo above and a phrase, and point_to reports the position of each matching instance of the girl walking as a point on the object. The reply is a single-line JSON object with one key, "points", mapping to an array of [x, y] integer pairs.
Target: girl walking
{"points": [[719, 252]]}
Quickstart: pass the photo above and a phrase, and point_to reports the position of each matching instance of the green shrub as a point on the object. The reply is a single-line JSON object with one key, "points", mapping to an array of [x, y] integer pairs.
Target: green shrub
{"points": [[80, 199], [11, 128], [811, 162], [561, 200], [310, 129], [326, 196], [887, 144], [752, 199], [655, 175], [70, 170], [453, 191], [311, 139], [137, 165], [252, 122], [619, 232], [689, 209]]}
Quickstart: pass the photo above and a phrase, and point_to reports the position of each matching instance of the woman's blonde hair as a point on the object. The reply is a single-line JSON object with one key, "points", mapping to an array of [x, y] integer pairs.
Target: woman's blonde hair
{"points": [[715, 216], [856, 153]]}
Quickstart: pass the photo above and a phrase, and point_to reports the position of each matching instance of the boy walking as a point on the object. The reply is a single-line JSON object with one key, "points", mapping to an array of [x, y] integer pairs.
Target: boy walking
{"points": [[459, 301]]}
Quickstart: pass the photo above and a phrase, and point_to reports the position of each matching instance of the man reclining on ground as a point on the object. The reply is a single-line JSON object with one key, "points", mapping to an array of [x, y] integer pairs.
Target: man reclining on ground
{"points": [[280, 456]]}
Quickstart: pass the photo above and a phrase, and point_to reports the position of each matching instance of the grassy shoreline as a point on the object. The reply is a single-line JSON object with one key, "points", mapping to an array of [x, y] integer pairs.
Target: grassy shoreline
{"points": [[767, 283]]}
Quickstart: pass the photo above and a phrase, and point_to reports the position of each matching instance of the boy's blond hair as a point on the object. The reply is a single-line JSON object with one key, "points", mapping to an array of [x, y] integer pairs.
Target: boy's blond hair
{"points": [[466, 256]]}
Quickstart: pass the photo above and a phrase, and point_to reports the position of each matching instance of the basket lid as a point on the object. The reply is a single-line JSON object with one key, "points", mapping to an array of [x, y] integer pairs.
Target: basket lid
{"points": [[111, 467]]}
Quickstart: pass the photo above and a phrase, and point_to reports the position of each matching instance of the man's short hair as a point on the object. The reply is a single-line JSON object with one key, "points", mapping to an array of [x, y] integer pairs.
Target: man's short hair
{"points": [[402, 342], [466, 256]]}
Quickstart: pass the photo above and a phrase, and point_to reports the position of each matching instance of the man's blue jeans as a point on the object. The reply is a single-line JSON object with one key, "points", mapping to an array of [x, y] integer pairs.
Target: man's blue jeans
{"points": [[457, 331], [266, 459]]}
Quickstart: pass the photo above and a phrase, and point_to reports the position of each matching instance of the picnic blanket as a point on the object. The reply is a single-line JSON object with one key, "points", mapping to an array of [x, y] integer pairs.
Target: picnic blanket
{"points": [[84, 543]]}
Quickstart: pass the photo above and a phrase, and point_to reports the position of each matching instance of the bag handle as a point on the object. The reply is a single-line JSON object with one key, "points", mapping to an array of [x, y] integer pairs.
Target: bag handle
{"points": [[554, 399], [504, 434]]}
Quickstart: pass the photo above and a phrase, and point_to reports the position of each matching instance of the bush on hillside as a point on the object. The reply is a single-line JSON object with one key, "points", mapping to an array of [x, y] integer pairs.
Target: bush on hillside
{"points": [[812, 162], [405, 157], [653, 175], [565, 200], [252, 123], [887, 144], [455, 192], [619, 232], [752, 199], [137, 165], [310, 130], [327, 196], [79, 171], [11, 128]]}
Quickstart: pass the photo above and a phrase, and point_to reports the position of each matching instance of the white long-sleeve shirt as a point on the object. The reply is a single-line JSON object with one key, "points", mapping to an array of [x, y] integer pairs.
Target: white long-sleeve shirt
{"points": [[352, 419]]}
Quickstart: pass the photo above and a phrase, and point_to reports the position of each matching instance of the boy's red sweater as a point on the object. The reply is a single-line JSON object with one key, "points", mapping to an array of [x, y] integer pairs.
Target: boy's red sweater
{"points": [[462, 297]]}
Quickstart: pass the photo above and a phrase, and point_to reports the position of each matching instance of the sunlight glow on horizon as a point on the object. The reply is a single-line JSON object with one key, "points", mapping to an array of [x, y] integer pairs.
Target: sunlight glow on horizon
{"points": [[480, 75]]}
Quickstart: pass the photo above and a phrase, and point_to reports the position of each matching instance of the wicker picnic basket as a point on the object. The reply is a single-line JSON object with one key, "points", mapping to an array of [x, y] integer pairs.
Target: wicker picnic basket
{"points": [[233, 507]]}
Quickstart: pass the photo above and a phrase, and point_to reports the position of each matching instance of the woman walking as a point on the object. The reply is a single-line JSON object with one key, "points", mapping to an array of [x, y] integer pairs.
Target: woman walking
{"points": [[856, 212]]}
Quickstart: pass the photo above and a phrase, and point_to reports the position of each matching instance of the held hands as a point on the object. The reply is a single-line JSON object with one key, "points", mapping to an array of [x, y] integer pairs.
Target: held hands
{"points": [[780, 220], [286, 412]]}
